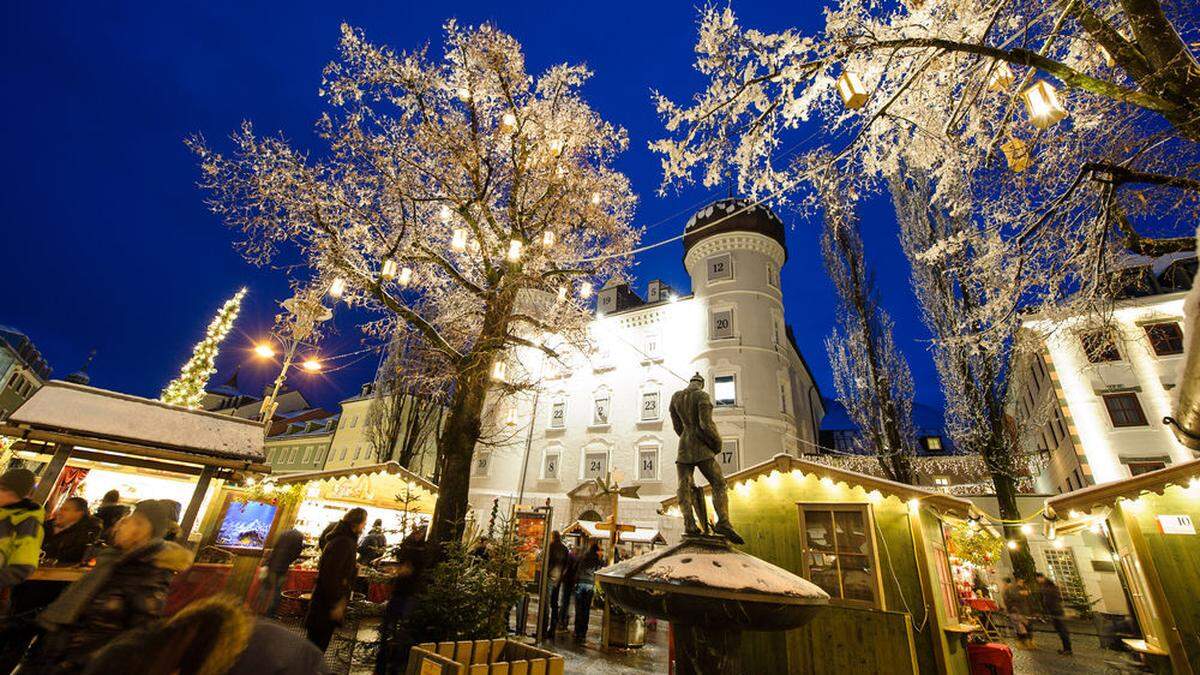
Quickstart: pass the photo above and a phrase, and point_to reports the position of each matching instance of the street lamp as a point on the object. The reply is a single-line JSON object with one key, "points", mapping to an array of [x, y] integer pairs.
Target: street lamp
{"points": [[301, 315]]}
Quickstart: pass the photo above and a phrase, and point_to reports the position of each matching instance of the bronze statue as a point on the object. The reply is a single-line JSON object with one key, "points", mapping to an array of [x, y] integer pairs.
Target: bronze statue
{"points": [[699, 443]]}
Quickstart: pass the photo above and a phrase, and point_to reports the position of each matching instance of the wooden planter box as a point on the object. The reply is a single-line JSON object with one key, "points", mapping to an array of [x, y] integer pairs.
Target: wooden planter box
{"points": [[482, 657]]}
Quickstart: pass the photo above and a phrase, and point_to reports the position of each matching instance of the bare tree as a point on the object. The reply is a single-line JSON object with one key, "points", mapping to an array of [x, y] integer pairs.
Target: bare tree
{"points": [[872, 378], [404, 422], [460, 199]]}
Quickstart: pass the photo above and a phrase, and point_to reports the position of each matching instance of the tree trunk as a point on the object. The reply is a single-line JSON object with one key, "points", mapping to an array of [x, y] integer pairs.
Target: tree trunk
{"points": [[1006, 499]]}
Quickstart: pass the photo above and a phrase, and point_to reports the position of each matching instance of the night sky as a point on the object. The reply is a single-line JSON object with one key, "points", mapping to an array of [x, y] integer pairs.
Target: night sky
{"points": [[108, 243]]}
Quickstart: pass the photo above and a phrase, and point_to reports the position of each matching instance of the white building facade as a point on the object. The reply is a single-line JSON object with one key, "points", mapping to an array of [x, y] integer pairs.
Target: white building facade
{"points": [[607, 411]]}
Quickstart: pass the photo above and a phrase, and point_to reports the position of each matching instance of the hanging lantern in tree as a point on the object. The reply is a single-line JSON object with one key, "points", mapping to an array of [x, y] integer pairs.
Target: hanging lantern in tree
{"points": [[474, 246], [464, 94], [556, 146], [514, 250], [854, 94], [1017, 154], [585, 289], [499, 369], [458, 239], [595, 198], [1002, 77], [508, 121], [405, 277], [1108, 59], [444, 213], [389, 270], [548, 238], [562, 293], [1041, 101], [337, 288]]}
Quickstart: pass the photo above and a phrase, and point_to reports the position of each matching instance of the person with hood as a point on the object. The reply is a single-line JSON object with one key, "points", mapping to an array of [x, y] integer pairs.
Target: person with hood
{"points": [[374, 545], [585, 589], [126, 589], [110, 511], [288, 546], [336, 572], [213, 636], [1052, 606], [21, 529]]}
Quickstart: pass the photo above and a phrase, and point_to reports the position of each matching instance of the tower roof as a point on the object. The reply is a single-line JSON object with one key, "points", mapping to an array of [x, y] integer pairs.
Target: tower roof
{"points": [[733, 215]]}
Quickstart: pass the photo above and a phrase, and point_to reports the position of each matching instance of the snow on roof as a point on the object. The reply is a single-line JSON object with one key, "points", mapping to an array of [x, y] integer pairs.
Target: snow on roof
{"points": [[86, 412]]}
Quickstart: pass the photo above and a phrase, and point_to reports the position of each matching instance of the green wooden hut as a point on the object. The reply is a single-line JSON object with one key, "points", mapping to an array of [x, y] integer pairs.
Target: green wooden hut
{"points": [[1151, 524], [876, 546]]}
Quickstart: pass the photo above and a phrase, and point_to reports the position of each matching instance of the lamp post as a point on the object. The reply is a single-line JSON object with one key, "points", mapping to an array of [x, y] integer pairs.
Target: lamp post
{"points": [[297, 324]]}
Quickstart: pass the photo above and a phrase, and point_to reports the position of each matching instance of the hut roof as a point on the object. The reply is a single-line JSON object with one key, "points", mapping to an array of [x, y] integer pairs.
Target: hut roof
{"points": [[1107, 494]]}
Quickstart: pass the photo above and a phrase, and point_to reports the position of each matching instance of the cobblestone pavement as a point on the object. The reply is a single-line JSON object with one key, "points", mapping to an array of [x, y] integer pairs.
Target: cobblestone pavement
{"points": [[1043, 659], [589, 659]]}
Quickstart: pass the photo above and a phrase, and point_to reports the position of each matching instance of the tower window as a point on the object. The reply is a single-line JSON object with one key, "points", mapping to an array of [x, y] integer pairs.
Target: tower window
{"points": [[725, 390], [1165, 338], [772, 275], [722, 324], [720, 268]]}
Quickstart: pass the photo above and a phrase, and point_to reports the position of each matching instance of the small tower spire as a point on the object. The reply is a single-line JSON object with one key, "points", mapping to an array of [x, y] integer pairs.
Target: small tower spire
{"points": [[81, 376]]}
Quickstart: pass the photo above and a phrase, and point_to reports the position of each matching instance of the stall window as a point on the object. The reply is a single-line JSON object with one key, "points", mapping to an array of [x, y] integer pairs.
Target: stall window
{"points": [[550, 465], [725, 390], [558, 414], [1165, 338], [838, 552], [1099, 346], [649, 406], [1124, 410], [945, 580]]}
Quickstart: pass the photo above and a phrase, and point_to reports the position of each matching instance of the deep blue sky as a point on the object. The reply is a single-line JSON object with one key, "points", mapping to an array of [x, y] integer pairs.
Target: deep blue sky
{"points": [[109, 245]]}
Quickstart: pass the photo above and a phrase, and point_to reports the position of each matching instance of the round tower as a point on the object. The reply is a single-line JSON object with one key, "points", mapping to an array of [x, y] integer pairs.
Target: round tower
{"points": [[734, 251]]}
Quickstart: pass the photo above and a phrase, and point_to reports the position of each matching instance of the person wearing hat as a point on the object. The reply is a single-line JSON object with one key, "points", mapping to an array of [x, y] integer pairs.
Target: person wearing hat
{"points": [[126, 589], [21, 528], [699, 442]]}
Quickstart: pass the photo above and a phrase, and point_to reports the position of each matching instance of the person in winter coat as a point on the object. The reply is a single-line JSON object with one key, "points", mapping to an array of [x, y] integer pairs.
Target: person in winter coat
{"points": [[556, 564], [126, 589], [585, 589], [567, 585], [288, 546], [213, 636], [70, 532], [395, 637], [1016, 603], [1052, 606], [373, 545], [336, 572], [21, 529], [110, 511]]}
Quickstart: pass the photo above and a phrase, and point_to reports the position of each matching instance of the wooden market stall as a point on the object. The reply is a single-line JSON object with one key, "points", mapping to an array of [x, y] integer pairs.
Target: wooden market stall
{"points": [[309, 502], [91, 440], [640, 540], [876, 546], [1150, 524]]}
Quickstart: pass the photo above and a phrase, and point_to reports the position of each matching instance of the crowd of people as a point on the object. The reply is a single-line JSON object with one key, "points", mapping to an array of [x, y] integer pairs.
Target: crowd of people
{"points": [[572, 578]]}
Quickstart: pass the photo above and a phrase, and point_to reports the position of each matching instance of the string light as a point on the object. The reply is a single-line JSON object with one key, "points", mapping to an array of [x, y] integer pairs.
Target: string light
{"points": [[1012, 544], [1041, 101], [406, 275], [1026, 529], [514, 250], [854, 94], [1074, 515], [264, 350], [1059, 543], [1001, 77], [337, 288], [585, 289], [311, 365], [827, 481], [914, 505], [548, 238], [388, 271], [458, 239]]}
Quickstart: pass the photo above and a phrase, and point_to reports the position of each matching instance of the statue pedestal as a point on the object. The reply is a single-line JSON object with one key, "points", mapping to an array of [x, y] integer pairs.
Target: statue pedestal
{"points": [[711, 592]]}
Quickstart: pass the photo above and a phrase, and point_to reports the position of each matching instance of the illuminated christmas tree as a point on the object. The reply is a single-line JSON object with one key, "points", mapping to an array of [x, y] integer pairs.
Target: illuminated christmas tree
{"points": [[187, 390]]}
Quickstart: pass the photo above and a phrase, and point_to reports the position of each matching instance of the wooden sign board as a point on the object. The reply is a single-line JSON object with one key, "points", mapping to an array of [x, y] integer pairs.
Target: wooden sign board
{"points": [[1176, 525]]}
